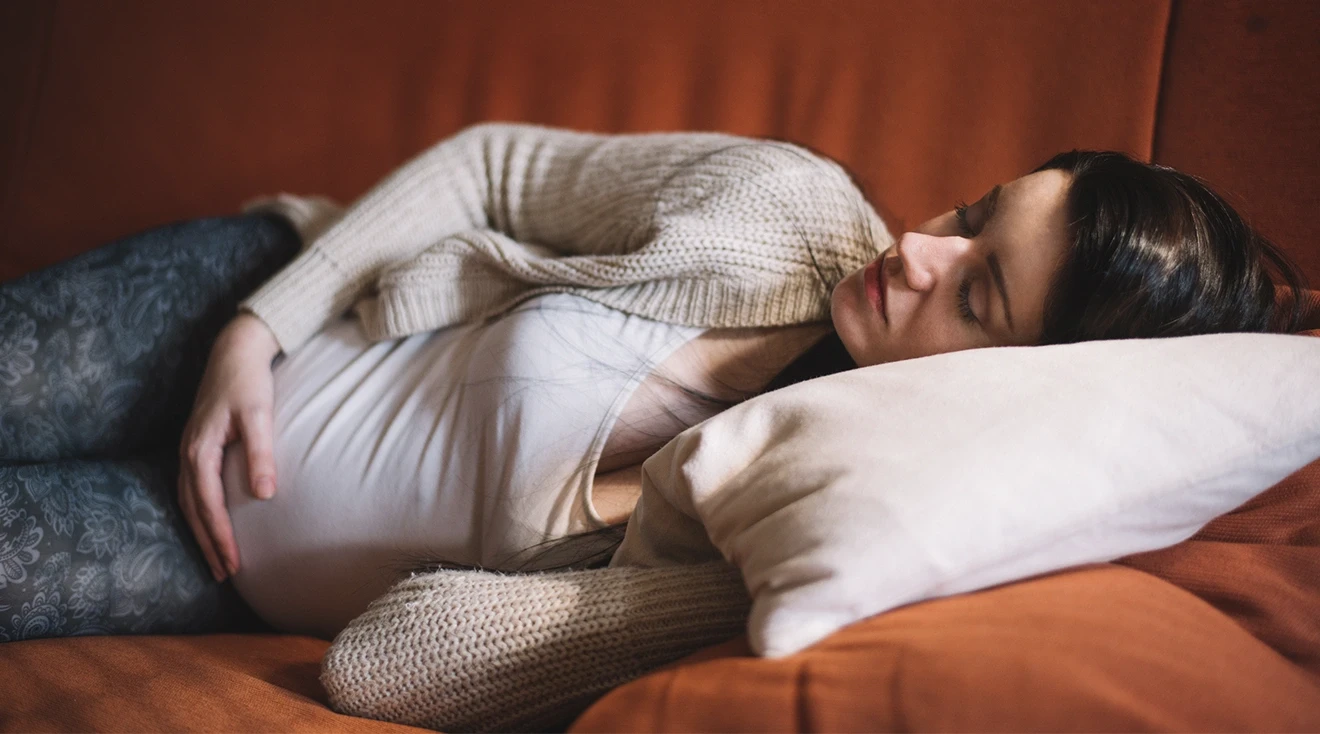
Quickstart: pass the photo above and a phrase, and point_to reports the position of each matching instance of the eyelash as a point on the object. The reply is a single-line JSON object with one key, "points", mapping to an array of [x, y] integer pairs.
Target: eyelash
{"points": [[960, 214], [964, 302]]}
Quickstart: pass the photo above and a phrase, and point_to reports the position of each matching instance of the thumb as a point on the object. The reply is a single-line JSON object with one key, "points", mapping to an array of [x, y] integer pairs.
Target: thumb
{"points": [[257, 428]]}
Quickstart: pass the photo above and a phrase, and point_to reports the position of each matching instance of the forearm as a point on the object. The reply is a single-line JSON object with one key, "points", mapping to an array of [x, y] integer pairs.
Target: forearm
{"points": [[433, 194], [481, 651]]}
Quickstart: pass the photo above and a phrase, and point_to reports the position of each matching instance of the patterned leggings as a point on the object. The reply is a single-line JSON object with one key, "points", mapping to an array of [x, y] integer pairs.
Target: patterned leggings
{"points": [[100, 357]]}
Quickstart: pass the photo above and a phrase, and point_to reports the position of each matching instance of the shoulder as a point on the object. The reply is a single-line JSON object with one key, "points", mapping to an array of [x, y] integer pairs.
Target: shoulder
{"points": [[734, 159], [752, 169], [720, 159], [742, 182]]}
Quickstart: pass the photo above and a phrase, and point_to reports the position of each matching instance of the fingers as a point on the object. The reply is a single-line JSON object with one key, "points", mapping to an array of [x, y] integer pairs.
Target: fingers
{"points": [[202, 499], [199, 530], [209, 498], [234, 402], [256, 427]]}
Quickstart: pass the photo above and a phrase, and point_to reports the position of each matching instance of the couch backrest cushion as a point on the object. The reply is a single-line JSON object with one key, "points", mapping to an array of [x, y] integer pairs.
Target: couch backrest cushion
{"points": [[132, 114], [1240, 106]]}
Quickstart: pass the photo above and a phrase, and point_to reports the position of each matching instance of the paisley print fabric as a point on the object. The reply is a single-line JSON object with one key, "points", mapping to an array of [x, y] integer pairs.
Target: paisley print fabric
{"points": [[100, 357]]}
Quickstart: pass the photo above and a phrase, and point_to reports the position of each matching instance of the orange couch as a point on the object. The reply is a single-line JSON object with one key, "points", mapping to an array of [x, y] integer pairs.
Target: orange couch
{"points": [[120, 116]]}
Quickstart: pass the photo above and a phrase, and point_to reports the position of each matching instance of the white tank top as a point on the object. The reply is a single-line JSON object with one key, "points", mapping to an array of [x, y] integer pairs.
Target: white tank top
{"points": [[467, 444]]}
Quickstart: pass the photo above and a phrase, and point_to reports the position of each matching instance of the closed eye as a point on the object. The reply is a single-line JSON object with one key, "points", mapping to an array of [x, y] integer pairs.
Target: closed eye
{"points": [[965, 302]]}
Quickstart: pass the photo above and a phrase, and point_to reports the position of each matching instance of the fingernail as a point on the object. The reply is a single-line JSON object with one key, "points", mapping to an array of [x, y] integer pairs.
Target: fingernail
{"points": [[232, 567], [265, 489], [218, 576]]}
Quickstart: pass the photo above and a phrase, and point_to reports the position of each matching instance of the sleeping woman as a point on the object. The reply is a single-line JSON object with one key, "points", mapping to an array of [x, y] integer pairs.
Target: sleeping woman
{"points": [[285, 411]]}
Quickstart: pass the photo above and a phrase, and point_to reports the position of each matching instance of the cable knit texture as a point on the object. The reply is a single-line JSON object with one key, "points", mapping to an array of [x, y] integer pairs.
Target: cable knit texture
{"points": [[697, 228], [482, 651]]}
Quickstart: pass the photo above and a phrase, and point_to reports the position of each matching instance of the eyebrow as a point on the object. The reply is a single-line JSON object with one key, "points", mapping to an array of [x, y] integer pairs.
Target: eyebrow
{"points": [[997, 270]]}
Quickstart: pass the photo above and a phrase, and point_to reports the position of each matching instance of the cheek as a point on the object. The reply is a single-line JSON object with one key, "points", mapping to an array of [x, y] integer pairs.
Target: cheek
{"points": [[924, 336], [924, 331], [941, 334], [918, 329], [845, 306]]}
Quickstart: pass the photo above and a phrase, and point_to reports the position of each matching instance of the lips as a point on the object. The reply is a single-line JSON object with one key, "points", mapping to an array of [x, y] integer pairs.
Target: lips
{"points": [[873, 279]]}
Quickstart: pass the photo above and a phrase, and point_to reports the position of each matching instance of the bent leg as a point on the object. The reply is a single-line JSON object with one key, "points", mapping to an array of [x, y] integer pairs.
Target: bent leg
{"points": [[97, 547], [101, 355]]}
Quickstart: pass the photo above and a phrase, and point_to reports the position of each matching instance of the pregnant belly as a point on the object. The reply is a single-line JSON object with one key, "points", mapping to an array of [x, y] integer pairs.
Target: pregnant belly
{"points": [[313, 557], [358, 501], [389, 454]]}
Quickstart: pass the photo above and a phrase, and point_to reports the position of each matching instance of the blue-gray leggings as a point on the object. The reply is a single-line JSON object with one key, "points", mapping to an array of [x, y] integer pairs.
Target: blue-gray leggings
{"points": [[100, 358]]}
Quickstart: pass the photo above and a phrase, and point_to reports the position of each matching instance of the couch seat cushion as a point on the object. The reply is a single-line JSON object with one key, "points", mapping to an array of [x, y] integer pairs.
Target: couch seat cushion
{"points": [[1101, 648], [250, 683]]}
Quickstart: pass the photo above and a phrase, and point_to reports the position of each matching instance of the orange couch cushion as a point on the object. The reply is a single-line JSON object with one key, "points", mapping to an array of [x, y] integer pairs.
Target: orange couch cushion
{"points": [[1102, 648], [1240, 106], [249, 683], [1260, 565], [127, 115]]}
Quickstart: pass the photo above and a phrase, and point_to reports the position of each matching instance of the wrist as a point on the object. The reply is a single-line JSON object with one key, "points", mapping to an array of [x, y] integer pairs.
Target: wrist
{"points": [[248, 331]]}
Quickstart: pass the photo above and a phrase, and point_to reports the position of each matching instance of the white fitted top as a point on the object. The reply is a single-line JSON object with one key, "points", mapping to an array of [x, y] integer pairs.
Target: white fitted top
{"points": [[467, 444]]}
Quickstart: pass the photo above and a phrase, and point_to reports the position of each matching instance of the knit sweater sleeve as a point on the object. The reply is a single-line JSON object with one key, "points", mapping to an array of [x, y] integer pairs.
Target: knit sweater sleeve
{"points": [[482, 651], [539, 190]]}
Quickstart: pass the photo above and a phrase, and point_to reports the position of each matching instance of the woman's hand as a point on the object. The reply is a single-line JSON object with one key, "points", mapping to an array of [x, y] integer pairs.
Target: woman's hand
{"points": [[235, 402]]}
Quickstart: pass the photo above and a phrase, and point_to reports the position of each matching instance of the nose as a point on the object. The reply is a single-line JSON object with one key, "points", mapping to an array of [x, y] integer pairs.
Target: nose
{"points": [[928, 258]]}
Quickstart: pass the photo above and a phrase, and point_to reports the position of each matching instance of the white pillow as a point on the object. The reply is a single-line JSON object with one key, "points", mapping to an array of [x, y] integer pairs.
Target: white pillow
{"points": [[852, 494]]}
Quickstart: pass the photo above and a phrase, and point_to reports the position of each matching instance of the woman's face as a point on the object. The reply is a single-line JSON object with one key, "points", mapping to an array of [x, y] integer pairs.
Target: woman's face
{"points": [[976, 276]]}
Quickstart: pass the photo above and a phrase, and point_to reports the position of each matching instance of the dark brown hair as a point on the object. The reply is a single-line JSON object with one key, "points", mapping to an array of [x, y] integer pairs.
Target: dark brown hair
{"points": [[1156, 253]]}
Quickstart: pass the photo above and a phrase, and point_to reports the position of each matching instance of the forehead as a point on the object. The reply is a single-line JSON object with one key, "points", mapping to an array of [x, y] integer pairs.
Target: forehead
{"points": [[1038, 200], [1030, 231]]}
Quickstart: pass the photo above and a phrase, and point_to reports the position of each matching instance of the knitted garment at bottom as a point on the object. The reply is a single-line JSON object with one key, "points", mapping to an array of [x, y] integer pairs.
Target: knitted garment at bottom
{"points": [[483, 651]]}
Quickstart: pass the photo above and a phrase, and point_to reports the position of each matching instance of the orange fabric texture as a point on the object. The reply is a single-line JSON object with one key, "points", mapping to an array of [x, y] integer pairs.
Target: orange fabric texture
{"points": [[249, 683], [1104, 648], [131, 114], [1240, 107], [1260, 565]]}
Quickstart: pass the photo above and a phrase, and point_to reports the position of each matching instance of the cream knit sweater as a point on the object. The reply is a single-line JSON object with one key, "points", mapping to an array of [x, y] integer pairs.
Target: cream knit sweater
{"points": [[700, 229], [481, 651]]}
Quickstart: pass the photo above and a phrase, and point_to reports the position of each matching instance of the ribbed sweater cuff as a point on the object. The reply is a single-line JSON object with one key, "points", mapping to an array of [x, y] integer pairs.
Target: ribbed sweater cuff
{"points": [[398, 312], [302, 298], [481, 651]]}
